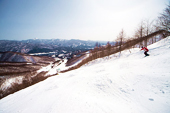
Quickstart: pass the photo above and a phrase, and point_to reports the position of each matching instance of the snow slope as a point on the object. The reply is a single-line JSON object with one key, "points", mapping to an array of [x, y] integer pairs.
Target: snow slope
{"points": [[130, 83]]}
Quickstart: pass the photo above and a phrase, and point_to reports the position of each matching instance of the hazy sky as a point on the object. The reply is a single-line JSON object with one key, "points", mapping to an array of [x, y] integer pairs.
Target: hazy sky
{"points": [[74, 19]]}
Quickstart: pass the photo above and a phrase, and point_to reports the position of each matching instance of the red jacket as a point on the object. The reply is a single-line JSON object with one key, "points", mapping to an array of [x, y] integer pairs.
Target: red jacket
{"points": [[145, 49]]}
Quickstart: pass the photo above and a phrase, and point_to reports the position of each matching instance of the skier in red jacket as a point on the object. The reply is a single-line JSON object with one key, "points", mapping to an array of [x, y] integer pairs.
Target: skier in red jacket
{"points": [[146, 50]]}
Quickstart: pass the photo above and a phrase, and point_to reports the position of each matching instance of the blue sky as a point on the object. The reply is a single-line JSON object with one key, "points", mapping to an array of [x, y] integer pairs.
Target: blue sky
{"points": [[74, 19]]}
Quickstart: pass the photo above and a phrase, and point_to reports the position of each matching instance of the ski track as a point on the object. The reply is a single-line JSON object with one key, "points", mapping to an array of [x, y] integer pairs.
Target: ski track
{"points": [[130, 83]]}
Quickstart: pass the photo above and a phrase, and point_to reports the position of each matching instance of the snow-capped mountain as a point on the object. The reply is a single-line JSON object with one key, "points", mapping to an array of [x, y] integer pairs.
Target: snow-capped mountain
{"points": [[46, 45], [126, 83]]}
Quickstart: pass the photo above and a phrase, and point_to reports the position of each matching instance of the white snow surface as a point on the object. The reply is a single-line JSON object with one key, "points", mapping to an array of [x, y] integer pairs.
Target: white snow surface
{"points": [[130, 83]]}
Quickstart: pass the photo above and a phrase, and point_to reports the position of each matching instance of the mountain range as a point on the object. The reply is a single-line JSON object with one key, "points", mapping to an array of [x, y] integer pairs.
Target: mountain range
{"points": [[47, 45]]}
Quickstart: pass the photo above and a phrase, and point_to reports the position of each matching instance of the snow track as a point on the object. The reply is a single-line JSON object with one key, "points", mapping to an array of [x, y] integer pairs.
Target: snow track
{"points": [[130, 83]]}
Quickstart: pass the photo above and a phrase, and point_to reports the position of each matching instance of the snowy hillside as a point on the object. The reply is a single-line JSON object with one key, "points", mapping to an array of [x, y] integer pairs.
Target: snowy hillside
{"points": [[19, 57], [130, 83]]}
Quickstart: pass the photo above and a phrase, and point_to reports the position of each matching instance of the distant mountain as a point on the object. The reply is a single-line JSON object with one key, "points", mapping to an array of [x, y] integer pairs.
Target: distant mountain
{"points": [[46, 45]]}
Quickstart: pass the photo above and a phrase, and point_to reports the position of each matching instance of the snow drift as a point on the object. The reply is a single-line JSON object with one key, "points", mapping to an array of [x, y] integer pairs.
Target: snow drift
{"points": [[130, 83]]}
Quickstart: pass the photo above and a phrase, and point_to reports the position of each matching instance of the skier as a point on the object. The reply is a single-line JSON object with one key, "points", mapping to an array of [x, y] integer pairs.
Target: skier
{"points": [[146, 50]]}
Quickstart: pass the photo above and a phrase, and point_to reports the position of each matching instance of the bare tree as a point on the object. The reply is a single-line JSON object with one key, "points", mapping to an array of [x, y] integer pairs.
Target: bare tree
{"points": [[108, 47], [140, 31], [120, 39], [148, 29], [156, 25], [97, 44], [165, 18]]}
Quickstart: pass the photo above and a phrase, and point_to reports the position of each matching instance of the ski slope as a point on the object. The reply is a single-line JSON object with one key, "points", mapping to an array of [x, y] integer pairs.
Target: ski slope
{"points": [[130, 83]]}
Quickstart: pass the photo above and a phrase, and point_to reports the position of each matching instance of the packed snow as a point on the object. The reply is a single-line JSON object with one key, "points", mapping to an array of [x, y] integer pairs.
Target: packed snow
{"points": [[126, 83]]}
